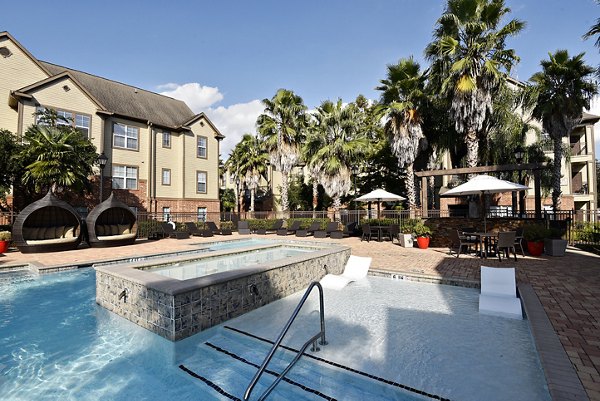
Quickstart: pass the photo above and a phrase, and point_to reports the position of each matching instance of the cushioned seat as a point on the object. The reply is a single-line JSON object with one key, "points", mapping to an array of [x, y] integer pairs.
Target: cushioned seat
{"points": [[499, 292], [111, 223]]}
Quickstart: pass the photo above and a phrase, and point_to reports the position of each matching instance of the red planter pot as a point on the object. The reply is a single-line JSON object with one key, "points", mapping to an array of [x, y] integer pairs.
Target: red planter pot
{"points": [[3, 246], [423, 242], [535, 248]]}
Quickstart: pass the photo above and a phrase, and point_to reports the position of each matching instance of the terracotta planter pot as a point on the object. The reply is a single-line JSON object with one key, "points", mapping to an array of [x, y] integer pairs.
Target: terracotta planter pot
{"points": [[3, 246], [423, 242], [535, 248]]}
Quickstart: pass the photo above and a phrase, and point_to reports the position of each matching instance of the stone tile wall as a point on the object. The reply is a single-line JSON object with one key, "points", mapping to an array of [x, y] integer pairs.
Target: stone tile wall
{"points": [[181, 313]]}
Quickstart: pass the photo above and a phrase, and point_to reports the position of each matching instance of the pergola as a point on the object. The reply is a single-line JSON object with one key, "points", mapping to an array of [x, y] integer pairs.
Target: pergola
{"points": [[534, 167]]}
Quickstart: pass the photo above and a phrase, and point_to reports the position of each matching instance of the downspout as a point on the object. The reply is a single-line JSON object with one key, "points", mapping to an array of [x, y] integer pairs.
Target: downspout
{"points": [[152, 167], [20, 120], [183, 133]]}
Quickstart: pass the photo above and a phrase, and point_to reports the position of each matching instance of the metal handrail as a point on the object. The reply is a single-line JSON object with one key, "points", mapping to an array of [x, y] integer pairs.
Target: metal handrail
{"points": [[277, 343]]}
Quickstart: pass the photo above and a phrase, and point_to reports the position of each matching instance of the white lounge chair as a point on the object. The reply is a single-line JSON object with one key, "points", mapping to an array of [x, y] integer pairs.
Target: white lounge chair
{"points": [[356, 268], [499, 292]]}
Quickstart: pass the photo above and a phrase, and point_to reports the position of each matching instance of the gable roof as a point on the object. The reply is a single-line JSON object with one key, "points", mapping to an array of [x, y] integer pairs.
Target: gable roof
{"points": [[129, 101], [56, 78], [5, 34], [197, 117]]}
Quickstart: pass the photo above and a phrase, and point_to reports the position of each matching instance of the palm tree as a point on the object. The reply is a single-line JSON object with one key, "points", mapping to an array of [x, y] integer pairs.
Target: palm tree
{"points": [[343, 144], [233, 165], [564, 88], [57, 155], [403, 90], [314, 142], [253, 163], [468, 55], [283, 128]]}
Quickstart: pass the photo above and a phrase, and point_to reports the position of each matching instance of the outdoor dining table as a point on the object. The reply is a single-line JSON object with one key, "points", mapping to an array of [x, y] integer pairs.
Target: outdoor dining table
{"points": [[380, 230], [484, 241]]}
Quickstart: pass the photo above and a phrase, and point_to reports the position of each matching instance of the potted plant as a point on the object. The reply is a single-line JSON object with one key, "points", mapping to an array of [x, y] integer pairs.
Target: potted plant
{"points": [[406, 233], [5, 237], [554, 245], [534, 235], [423, 234]]}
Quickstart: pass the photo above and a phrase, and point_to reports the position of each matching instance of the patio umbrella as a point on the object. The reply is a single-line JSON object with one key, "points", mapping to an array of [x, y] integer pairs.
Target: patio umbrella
{"points": [[484, 184], [380, 195]]}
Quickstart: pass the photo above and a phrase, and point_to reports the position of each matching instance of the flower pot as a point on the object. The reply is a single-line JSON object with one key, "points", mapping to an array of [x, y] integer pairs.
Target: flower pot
{"points": [[535, 248], [406, 240], [555, 247], [423, 242], [3, 246]]}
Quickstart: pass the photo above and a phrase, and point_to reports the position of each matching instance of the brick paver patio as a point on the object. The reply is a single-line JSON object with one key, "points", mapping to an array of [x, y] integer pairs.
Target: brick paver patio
{"points": [[568, 287]]}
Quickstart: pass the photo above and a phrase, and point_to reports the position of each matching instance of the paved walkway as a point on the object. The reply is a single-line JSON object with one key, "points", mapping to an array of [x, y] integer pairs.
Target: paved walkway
{"points": [[568, 287]]}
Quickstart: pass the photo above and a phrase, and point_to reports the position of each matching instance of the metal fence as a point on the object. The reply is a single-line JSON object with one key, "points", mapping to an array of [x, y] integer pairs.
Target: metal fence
{"points": [[578, 226]]}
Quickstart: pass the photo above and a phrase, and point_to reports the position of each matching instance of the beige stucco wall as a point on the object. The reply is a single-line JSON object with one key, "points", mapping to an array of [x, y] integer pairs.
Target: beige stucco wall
{"points": [[194, 163], [169, 158], [17, 71], [74, 100], [135, 158]]}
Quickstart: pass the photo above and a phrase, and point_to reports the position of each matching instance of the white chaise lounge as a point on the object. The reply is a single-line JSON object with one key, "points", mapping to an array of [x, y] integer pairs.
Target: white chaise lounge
{"points": [[499, 292], [356, 268]]}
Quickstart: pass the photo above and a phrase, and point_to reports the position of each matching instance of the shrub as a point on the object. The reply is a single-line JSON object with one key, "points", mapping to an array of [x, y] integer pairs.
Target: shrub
{"points": [[380, 222], [421, 230], [408, 226], [226, 224], [5, 235], [536, 232], [307, 222]]}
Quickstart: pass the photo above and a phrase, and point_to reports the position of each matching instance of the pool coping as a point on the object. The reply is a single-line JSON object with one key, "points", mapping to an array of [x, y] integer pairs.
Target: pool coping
{"points": [[561, 378]]}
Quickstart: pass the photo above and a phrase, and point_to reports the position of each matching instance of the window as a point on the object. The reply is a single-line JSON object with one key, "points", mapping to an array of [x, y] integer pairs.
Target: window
{"points": [[201, 182], [202, 214], [125, 136], [81, 122], [166, 139], [166, 176], [202, 150], [124, 177], [166, 214]]}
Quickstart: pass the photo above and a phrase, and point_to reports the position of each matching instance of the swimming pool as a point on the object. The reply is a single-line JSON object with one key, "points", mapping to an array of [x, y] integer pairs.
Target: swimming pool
{"points": [[204, 267], [57, 344]]}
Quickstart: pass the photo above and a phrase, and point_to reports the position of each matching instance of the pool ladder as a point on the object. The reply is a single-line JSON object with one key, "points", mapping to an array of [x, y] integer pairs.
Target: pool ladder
{"points": [[312, 340]]}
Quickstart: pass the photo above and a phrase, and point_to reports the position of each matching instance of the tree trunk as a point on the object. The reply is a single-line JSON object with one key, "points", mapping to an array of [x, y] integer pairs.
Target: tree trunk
{"points": [[472, 148], [252, 192], [556, 174], [337, 202], [315, 189], [410, 186], [284, 191]]}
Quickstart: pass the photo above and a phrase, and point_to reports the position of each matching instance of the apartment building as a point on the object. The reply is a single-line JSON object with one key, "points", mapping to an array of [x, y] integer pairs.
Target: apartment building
{"points": [[162, 157]]}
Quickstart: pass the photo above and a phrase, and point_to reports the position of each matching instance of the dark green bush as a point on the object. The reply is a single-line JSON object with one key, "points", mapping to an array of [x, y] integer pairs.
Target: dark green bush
{"points": [[307, 222], [380, 222]]}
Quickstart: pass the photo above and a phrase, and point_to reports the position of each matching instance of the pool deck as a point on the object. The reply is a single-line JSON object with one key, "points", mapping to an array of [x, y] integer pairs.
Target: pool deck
{"points": [[568, 288]]}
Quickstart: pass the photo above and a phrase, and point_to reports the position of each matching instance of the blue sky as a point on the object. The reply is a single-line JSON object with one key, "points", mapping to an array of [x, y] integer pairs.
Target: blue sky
{"points": [[223, 57]]}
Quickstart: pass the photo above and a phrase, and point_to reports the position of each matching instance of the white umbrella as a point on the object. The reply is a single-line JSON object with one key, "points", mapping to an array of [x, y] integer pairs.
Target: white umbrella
{"points": [[484, 184], [380, 195]]}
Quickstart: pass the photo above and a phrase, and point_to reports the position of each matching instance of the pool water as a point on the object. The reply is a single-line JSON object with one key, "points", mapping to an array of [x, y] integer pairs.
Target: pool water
{"points": [[57, 344], [218, 264]]}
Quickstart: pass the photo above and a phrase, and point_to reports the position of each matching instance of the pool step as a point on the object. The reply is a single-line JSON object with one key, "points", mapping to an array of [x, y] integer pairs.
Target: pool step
{"points": [[316, 378], [228, 375]]}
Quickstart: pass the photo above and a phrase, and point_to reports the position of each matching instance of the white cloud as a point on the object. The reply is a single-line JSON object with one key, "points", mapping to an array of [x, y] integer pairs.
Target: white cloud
{"points": [[232, 121], [196, 96]]}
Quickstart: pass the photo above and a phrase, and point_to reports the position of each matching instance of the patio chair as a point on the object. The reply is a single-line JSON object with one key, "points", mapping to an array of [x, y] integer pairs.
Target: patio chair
{"points": [[213, 227], [506, 242], [243, 228], [393, 231], [366, 232], [193, 229], [332, 227], [291, 229], [459, 242], [333, 230], [170, 232], [498, 292], [356, 268], [270, 230], [519, 240], [310, 230]]}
